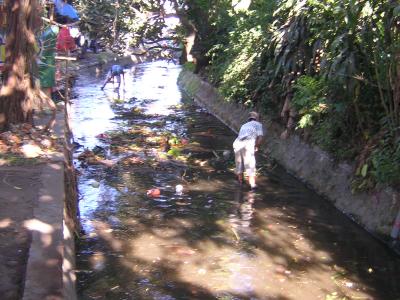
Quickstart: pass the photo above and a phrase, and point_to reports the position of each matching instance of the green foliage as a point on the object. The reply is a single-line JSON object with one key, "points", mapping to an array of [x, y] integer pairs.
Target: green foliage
{"points": [[174, 152], [122, 23], [234, 79], [236, 56], [309, 100], [333, 136], [189, 66], [97, 18], [339, 60], [386, 165], [382, 166]]}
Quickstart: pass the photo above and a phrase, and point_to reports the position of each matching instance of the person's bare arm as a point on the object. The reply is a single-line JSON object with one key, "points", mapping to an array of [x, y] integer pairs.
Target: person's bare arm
{"points": [[108, 79]]}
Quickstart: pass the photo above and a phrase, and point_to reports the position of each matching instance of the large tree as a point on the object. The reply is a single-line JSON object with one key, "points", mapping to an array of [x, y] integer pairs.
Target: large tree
{"points": [[18, 90]]}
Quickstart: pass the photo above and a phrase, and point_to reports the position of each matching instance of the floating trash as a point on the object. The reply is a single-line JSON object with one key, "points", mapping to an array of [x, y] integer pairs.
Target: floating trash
{"points": [[95, 184], [153, 193], [179, 189]]}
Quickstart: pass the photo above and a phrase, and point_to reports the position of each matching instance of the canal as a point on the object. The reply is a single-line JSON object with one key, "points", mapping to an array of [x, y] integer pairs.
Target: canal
{"points": [[163, 217]]}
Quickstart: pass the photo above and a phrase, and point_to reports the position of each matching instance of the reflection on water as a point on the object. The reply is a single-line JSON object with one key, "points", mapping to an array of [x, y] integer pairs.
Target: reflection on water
{"points": [[241, 218], [208, 239]]}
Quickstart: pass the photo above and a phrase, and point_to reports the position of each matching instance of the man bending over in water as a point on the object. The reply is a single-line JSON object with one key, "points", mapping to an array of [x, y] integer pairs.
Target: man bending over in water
{"points": [[115, 72], [245, 146]]}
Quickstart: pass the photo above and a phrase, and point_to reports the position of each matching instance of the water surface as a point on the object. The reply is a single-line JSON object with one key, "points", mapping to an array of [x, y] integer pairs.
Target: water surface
{"points": [[214, 240]]}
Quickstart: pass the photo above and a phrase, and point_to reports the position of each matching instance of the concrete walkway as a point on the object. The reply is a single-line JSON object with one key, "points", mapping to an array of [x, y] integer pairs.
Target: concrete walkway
{"points": [[39, 244], [50, 264]]}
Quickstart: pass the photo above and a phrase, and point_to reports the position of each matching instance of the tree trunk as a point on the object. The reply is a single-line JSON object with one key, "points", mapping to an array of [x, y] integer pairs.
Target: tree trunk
{"points": [[17, 93], [115, 24], [190, 34]]}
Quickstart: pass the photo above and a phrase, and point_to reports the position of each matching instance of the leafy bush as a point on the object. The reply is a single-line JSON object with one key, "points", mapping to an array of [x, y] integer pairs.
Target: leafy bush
{"points": [[386, 166], [309, 100], [235, 59], [382, 166], [385, 161]]}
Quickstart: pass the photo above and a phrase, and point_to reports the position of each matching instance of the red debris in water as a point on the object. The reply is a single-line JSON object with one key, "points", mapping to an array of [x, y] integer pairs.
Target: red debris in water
{"points": [[102, 136], [153, 193]]}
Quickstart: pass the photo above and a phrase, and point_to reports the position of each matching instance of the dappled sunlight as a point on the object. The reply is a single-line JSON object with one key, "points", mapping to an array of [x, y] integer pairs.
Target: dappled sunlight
{"points": [[30, 235], [31, 151], [104, 231], [46, 230], [97, 260], [39, 226], [56, 166], [205, 185], [47, 199], [5, 223], [68, 265]]}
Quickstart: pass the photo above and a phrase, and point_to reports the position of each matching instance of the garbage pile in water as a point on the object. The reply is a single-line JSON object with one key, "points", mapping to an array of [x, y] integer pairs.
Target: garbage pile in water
{"points": [[140, 147]]}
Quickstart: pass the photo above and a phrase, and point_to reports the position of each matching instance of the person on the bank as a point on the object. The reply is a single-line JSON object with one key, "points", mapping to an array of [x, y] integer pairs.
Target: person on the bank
{"points": [[245, 146], [115, 73], [65, 13]]}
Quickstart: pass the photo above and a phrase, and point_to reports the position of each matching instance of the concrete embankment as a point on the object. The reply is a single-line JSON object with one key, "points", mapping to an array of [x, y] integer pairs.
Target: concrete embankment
{"points": [[50, 264], [376, 212]]}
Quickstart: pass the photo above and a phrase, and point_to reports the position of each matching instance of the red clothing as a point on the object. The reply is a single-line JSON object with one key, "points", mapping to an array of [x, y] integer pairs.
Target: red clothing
{"points": [[65, 41]]}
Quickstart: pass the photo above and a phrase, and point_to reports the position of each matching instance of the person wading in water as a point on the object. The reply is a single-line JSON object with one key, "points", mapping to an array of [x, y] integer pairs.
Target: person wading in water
{"points": [[115, 72], [245, 146]]}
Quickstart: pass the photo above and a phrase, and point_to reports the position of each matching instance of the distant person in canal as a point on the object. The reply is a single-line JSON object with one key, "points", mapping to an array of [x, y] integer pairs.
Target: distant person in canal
{"points": [[245, 146], [115, 73]]}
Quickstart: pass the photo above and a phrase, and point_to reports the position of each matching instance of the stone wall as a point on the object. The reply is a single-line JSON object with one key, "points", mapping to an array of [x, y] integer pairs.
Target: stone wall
{"points": [[375, 212]]}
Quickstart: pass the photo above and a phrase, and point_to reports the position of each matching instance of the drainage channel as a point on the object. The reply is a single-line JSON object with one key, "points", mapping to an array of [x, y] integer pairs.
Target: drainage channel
{"points": [[163, 217]]}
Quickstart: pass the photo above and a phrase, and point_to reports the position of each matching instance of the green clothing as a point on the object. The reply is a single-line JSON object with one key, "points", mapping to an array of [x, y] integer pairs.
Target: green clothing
{"points": [[47, 63]]}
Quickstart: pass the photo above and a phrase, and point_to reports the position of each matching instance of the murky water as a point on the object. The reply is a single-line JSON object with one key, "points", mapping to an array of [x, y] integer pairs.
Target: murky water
{"points": [[213, 240]]}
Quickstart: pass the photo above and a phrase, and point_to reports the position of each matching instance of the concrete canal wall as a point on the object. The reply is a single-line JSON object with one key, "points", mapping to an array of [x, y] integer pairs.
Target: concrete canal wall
{"points": [[375, 212]]}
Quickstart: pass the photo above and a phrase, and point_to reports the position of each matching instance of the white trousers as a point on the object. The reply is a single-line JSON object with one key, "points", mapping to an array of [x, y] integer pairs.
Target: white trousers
{"points": [[245, 160]]}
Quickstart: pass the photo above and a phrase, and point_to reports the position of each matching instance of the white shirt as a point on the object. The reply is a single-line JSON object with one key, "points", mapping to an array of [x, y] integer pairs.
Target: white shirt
{"points": [[248, 134]]}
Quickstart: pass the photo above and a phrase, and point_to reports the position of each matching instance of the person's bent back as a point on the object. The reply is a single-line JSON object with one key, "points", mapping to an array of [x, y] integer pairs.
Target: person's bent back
{"points": [[115, 72]]}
